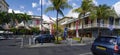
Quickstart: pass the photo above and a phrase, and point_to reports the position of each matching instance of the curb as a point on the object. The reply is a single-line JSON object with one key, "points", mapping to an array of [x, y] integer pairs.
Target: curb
{"points": [[53, 45]]}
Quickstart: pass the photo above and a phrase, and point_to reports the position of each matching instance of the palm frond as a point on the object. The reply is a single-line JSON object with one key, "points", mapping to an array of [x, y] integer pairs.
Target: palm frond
{"points": [[49, 9], [60, 12]]}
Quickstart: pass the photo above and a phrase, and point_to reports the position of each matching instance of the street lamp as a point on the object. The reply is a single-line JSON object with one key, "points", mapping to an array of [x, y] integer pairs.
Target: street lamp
{"points": [[41, 16]]}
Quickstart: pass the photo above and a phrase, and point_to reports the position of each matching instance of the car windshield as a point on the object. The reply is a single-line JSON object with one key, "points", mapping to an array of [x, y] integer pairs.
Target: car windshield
{"points": [[109, 40]]}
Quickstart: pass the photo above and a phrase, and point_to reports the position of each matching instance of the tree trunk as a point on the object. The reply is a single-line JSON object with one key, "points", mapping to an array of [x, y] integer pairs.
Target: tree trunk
{"points": [[99, 27], [82, 31], [57, 26]]}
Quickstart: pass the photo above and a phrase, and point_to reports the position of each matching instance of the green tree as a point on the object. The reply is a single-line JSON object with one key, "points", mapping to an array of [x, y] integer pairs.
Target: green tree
{"points": [[58, 6], [86, 7], [103, 12], [25, 18], [4, 19]]}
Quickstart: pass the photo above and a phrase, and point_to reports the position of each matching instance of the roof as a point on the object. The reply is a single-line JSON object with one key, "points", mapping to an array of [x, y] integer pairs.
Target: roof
{"points": [[5, 3], [63, 18]]}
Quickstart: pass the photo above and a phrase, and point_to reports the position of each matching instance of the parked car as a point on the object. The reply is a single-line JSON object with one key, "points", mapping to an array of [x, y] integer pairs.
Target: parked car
{"points": [[2, 38], [44, 38], [106, 45]]}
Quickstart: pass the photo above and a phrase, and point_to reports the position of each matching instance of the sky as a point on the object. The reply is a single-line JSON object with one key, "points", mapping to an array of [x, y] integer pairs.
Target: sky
{"points": [[32, 7]]}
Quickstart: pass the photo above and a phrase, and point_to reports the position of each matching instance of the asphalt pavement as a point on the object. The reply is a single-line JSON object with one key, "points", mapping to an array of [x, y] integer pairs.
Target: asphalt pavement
{"points": [[12, 47]]}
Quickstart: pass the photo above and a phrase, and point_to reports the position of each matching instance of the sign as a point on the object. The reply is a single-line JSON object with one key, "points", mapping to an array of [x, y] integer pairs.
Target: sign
{"points": [[111, 27]]}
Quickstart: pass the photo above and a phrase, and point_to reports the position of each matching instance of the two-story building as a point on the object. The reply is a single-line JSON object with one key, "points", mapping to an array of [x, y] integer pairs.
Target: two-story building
{"points": [[35, 21], [4, 6], [90, 28]]}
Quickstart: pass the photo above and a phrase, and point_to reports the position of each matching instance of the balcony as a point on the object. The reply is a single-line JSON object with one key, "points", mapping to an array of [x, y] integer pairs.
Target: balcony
{"points": [[95, 25]]}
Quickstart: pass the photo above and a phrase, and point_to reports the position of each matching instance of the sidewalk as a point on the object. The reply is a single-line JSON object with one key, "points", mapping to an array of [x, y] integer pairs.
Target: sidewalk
{"points": [[68, 42], [52, 44]]}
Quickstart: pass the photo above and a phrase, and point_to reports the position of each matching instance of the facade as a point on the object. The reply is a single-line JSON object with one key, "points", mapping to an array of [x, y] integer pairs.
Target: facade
{"points": [[64, 20], [3, 6], [35, 21], [90, 27]]}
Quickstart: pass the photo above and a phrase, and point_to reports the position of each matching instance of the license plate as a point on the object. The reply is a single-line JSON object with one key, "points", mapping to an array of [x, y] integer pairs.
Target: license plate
{"points": [[101, 48]]}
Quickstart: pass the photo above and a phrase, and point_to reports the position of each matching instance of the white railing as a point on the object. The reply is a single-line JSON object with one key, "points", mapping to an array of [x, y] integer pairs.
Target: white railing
{"points": [[93, 25]]}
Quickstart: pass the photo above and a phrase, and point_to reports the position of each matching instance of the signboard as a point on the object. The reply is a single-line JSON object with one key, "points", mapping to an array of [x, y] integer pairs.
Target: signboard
{"points": [[111, 27]]}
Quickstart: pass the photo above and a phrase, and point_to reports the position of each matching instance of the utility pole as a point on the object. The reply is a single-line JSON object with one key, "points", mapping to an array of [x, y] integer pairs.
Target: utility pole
{"points": [[41, 16]]}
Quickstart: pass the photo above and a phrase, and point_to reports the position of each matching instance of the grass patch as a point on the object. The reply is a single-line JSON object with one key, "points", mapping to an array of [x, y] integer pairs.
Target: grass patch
{"points": [[57, 42], [75, 38], [59, 38]]}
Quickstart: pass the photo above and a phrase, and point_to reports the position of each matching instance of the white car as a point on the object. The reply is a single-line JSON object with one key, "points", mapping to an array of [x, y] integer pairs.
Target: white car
{"points": [[2, 38]]}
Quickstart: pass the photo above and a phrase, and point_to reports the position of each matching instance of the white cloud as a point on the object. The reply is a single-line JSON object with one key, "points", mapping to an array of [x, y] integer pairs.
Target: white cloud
{"points": [[48, 3], [10, 11], [46, 18], [117, 8], [69, 0], [95, 2], [22, 7], [34, 5], [72, 14], [16, 11], [30, 13], [38, 9], [43, 2], [74, 5]]}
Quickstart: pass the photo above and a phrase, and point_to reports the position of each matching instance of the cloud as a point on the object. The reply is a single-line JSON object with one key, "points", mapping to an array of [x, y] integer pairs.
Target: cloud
{"points": [[48, 3], [22, 7], [16, 11], [10, 11], [46, 18], [34, 5], [69, 0], [74, 5], [117, 8], [38, 9], [72, 14], [30, 13], [95, 2], [43, 2]]}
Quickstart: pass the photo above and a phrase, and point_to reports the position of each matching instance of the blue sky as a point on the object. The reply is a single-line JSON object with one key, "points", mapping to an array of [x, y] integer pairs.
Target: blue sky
{"points": [[33, 6]]}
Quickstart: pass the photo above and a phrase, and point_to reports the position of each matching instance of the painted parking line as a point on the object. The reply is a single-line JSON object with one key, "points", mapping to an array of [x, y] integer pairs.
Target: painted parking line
{"points": [[89, 53]]}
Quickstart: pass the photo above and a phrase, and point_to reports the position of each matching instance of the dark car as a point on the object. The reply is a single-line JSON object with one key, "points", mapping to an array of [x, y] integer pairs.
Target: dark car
{"points": [[106, 45], [44, 38]]}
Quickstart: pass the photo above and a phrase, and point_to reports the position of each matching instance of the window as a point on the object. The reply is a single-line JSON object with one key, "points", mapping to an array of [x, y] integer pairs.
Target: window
{"points": [[107, 40]]}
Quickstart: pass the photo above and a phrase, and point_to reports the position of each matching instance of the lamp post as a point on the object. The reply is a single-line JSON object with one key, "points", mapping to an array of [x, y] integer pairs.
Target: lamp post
{"points": [[41, 16]]}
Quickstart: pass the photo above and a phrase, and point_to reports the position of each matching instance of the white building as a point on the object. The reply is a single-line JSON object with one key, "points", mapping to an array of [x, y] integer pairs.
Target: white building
{"points": [[3, 6], [35, 21]]}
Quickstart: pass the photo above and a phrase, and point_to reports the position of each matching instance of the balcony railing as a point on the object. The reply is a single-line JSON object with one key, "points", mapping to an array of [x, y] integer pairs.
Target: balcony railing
{"points": [[94, 25]]}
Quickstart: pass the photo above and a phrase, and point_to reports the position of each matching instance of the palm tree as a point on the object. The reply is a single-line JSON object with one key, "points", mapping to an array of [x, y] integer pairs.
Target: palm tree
{"points": [[25, 18], [2, 14], [102, 12], [87, 6], [4, 19], [58, 6], [14, 18]]}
